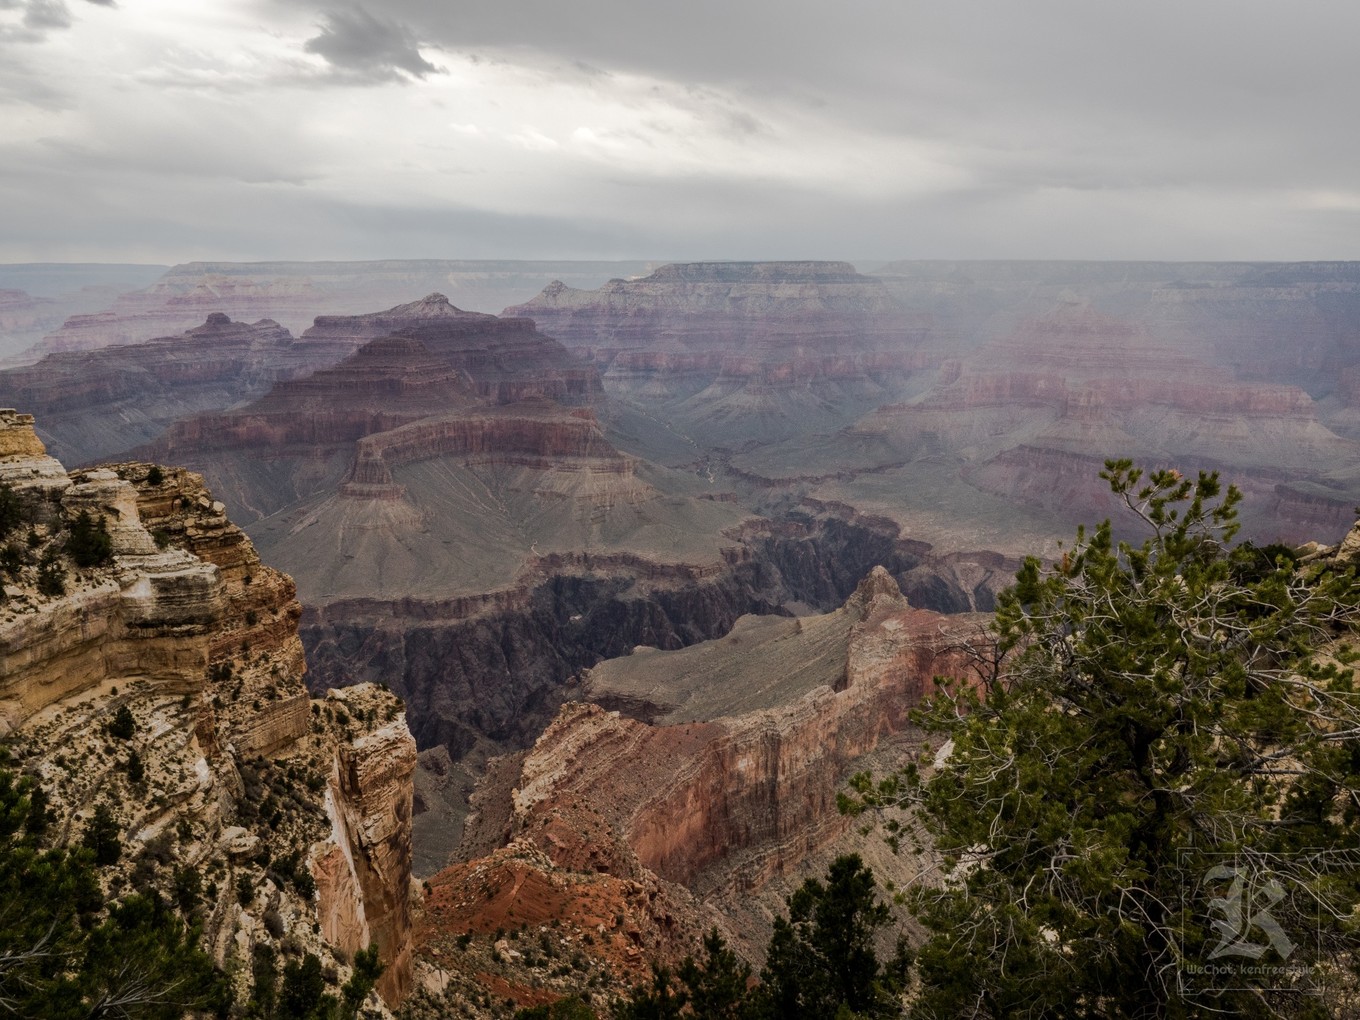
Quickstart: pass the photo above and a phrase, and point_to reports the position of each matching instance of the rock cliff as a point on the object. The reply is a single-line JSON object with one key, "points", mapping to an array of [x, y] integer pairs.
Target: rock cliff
{"points": [[95, 404], [732, 789], [291, 293], [158, 677], [757, 350]]}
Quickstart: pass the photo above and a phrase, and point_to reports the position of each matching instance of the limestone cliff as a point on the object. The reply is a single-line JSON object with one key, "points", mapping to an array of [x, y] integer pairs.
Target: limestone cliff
{"points": [[157, 676]]}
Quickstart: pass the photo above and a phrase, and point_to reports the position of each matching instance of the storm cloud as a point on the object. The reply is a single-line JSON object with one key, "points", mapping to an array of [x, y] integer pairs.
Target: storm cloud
{"points": [[612, 129], [356, 41]]}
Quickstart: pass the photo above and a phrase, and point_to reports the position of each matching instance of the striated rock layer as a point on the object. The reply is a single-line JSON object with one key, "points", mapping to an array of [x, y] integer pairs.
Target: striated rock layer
{"points": [[289, 292], [94, 404], [240, 774], [727, 351], [700, 813]]}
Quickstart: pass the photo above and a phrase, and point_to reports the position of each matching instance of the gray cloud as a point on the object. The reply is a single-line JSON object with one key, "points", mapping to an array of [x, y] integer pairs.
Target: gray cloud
{"points": [[867, 129], [361, 45], [47, 14]]}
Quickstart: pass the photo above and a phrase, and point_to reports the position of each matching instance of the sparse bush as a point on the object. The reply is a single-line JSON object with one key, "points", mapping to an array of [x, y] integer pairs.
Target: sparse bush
{"points": [[123, 725], [103, 837], [273, 923], [136, 771], [155, 476], [188, 888], [51, 579], [11, 511], [12, 559]]}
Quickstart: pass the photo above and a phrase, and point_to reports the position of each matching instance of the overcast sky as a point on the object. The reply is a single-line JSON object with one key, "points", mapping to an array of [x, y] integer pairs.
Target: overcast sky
{"points": [[169, 130]]}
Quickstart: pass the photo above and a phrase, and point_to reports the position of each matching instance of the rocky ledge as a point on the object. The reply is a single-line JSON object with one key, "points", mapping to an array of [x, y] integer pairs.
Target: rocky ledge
{"points": [[151, 674]]}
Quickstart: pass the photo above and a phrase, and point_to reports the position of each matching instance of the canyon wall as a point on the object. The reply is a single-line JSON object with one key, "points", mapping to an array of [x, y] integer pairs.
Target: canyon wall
{"points": [[676, 826], [292, 293], [179, 634]]}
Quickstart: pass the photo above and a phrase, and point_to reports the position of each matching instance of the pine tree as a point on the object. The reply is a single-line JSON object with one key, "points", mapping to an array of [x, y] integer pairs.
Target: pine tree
{"points": [[821, 960], [89, 544], [1157, 773], [717, 984]]}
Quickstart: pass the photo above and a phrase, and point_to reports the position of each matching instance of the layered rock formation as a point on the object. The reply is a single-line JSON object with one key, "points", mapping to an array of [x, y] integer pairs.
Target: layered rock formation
{"points": [[35, 298], [177, 631], [1032, 418], [731, 789], [91, 405], [741, 350], [292, 293]]}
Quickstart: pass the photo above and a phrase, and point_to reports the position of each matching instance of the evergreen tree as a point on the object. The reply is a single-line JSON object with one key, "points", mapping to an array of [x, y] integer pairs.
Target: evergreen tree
{"points": [[570, 1008], [89, 543], [103, 837], [1157, 773], [59, 961], [303, 994], [717, 985], [11, 510], [367, 969], [664, 999], [123, 725], [821, 960]]}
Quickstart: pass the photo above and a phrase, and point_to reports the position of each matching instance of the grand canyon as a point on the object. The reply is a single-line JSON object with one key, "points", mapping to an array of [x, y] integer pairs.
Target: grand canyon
{"points": [[549, 632]]}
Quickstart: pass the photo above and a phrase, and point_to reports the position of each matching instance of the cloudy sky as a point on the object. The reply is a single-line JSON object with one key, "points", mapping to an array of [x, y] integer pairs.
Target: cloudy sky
{"points": [[167, 130]]}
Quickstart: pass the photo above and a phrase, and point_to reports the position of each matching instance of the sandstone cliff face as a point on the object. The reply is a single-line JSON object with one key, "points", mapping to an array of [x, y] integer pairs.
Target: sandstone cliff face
{"points": [[189, 635], [363, 876]]}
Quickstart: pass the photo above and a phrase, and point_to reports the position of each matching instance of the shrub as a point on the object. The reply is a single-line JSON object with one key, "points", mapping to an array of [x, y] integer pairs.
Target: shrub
{"points": [[102, 836], [89, 543], [123, 725]]}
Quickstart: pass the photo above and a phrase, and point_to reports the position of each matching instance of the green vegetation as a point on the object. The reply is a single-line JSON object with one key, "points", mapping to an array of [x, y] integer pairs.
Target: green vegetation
{"points": [[820, 963], [65, 954], [11, 511], [51, 578], [1157, 772], [123, 725], [155, 476], [102, 837], [89, 543]]}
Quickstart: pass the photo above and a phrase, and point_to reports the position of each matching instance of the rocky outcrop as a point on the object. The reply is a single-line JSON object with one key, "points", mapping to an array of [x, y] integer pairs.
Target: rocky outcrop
{"points": [[95, 404], [700, 814], [218, 760], [676, 308], [735, 351], [363, 876], [758, 785], [416, 361], [1030, 419], [169, 307]]}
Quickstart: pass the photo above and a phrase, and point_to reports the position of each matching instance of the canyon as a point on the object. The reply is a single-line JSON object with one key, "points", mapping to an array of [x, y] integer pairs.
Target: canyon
{"points": [[626, 836], [653, 564]]}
